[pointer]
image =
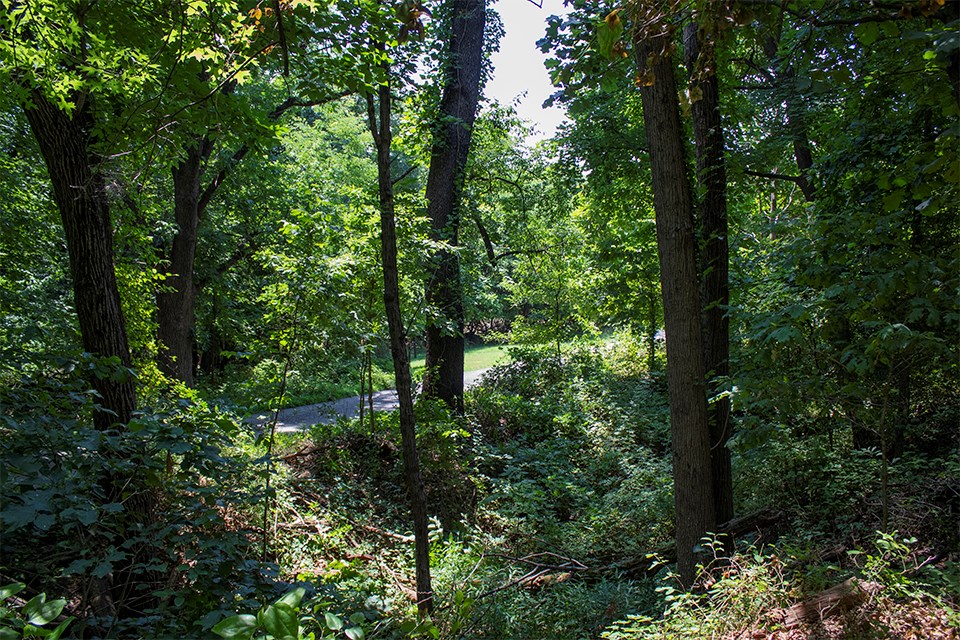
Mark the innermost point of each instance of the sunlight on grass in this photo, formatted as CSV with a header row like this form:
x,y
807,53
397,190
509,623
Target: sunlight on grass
x,y
474,358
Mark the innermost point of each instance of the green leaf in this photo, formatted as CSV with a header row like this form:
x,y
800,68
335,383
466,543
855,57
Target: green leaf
x,y
39,612
354,633
609,31
11,590
891,202
56,633
867,32
242,626
7,633
357,618
334,623
292,598
31,631
280,620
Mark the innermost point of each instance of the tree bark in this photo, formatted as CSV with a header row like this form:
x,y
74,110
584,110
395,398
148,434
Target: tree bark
x,y
177,301
676,246
715,261
458,108
176,305
382,136
80,192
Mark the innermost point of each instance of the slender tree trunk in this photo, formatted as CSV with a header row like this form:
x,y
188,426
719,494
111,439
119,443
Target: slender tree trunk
x,y
177,301
380,129
458,108
676,246
715,289
651,333
80,193
796,114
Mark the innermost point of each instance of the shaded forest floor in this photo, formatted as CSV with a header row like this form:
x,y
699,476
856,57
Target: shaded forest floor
x,y
551,505
549,499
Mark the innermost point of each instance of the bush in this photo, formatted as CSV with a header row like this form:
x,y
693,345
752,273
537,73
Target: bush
x,y
151,515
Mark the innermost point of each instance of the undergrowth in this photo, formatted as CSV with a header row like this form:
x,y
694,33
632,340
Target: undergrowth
x,y
546,500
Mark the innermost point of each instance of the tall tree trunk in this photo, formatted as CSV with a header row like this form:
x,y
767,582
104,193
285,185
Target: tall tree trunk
x,y
176,306
715,262
80,193
676,246
176,302
379,124
458,108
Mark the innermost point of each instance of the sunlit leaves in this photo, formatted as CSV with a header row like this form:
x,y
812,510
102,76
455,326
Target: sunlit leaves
x,y
609,32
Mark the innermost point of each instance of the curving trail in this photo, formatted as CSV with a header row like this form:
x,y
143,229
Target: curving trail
x,y
301,418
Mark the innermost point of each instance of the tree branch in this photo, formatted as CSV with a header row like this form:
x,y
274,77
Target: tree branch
x,y
773,176
240,153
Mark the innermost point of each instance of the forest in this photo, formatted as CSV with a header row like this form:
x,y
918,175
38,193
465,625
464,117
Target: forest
x,y
710,327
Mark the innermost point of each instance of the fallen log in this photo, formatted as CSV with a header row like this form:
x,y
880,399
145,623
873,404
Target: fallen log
x,y
837,599
644,566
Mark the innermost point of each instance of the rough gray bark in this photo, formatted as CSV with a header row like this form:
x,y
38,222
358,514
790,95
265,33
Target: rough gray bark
x,y
379,124
676,246
458,108
80,192
715,259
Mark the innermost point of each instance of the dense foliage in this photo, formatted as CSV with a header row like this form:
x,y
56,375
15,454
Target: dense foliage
x,y
225,150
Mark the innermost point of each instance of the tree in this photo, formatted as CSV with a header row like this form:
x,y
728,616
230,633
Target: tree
x,y
379,114
80,191
208,89
699,42
65,107
676,245
452,134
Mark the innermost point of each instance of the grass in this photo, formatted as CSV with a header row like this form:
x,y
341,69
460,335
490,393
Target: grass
x,y
475,357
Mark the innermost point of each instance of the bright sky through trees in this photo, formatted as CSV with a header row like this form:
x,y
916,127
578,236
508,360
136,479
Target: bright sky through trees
x,y
519,63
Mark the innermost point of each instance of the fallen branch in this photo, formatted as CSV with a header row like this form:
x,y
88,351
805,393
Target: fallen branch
x,y
381,532
649,564
836,599
304,451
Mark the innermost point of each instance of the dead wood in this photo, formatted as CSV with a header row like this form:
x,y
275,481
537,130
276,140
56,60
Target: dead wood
x,y
836,599
760,522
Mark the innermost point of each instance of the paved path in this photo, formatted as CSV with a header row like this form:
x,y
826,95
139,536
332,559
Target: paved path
x,y
301,418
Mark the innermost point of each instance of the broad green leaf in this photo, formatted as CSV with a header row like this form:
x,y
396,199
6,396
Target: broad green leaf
x,y
11,590
39,612
608,33
334,623
292,598
354,633
357,618
891,202
280,620
56,633
242,627
867,32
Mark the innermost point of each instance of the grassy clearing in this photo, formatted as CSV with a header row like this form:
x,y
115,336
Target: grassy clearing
x,y
475,357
